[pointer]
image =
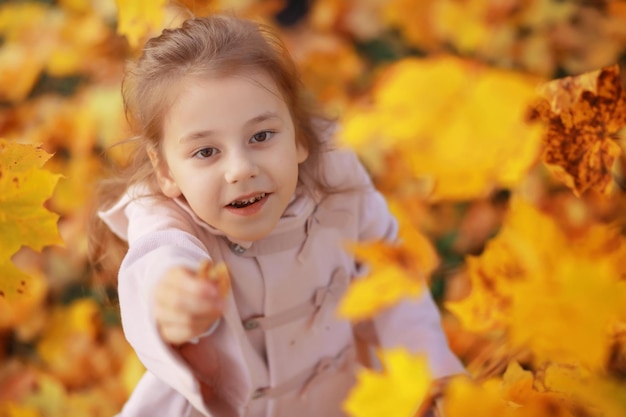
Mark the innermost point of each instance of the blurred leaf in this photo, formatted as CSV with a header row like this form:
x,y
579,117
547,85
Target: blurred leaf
x,y
16,311
512,396
138,19
19,72
42,42
50,396
413,20
69,338
381,289
397,391
533,282
395,272
443,117
598,395
465,397
10,409
329,67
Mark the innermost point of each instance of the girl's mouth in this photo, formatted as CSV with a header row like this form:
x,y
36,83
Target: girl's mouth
x,y
238,204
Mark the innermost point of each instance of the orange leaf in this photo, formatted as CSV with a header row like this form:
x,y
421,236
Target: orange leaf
x,y
69,341
139,18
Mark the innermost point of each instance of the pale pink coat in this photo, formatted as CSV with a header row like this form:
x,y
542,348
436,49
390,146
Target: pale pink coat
x,y
280,349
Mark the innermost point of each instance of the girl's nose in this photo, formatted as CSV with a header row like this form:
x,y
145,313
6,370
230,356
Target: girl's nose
x,y
240,167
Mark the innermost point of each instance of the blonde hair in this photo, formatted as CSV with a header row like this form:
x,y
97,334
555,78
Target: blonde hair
x,y
217,45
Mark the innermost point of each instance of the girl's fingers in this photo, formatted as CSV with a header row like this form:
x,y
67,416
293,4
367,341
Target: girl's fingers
x,y
175,303
186,281
184,293
185,306
185,316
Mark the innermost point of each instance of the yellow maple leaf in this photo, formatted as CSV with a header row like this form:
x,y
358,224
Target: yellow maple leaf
x,y
533,282
397,391
138,19
583,114
395,271
522,248
459,136
24,221
380,290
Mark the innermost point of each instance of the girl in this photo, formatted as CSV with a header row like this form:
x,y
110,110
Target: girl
x,y
233,168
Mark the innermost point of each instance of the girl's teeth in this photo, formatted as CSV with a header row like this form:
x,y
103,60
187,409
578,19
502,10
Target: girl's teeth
x,y
250,201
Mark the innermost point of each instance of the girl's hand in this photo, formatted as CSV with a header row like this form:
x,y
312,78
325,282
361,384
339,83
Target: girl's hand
x,y
186,306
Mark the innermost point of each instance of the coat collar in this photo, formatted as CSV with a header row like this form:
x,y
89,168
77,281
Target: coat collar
x,y
291,227
289,231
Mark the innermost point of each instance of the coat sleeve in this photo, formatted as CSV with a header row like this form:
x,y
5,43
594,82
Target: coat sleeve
x,y
343,171
413,323
416,325
163,400
159,238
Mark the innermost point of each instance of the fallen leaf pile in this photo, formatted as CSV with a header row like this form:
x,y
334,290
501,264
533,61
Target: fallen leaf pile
x,y
495,129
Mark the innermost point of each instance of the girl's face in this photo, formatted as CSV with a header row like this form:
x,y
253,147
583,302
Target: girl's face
x,y
229,149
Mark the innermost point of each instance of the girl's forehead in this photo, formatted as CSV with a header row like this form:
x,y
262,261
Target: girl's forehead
x,y
258,78
221,102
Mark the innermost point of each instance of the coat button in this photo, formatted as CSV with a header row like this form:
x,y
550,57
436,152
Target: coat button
x,y
238,249
259,393
251,324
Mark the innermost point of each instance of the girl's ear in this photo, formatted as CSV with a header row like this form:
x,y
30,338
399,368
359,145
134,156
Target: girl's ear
x,y
302,152
164,177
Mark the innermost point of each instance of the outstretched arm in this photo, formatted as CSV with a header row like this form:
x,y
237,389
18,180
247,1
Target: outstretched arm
x,y
185,307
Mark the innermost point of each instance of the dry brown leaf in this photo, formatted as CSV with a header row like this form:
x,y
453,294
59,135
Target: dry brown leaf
x,y
217,273
583,114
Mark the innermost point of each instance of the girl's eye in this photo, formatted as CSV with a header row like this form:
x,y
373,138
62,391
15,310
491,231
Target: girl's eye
x,y
205,153
263,136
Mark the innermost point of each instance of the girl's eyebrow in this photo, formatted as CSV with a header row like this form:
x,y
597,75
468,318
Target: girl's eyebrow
x,y
268,115
263,117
